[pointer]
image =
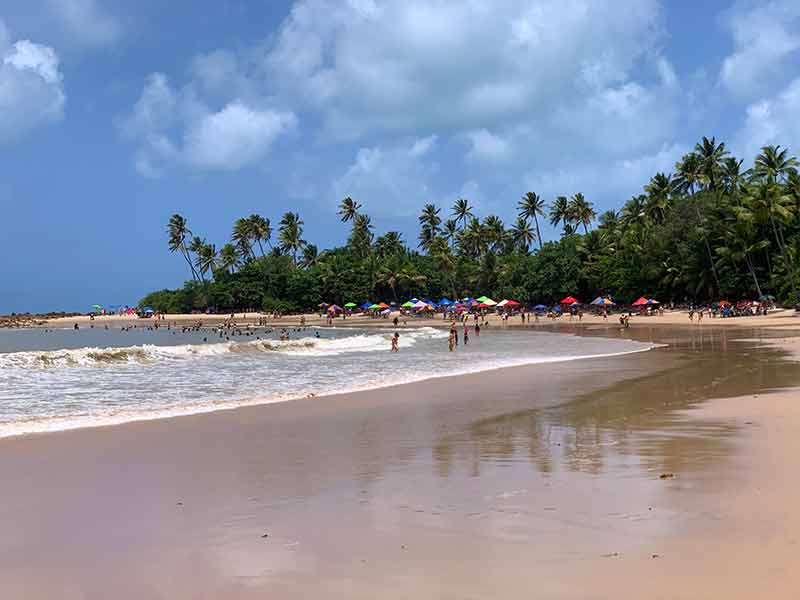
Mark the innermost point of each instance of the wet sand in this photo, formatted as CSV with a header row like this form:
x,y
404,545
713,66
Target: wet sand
x,y
541,481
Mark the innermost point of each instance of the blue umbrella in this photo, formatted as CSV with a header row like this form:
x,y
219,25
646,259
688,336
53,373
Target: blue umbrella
x,y
366,305
540,307
147,309
557,308
445,302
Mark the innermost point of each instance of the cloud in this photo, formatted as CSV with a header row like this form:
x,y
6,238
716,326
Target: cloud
x,y
460,65
391,180
173,127
766,41
773,121
85,22
31,86
486,146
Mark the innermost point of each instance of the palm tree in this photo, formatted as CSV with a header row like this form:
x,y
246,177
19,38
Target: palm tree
x,y
310,256
361,236
395,273
196,246
177,232
445,262
242,238
532,207
348,209
494,231
733,176
659,191
228,258
773,165
522,234
710,155
581,211
206,258
450,231
609,220
259,230
634,213
462,211
560,211
688,173
389,244
290,234
430,221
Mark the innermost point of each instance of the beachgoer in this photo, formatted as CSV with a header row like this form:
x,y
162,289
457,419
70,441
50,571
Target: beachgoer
x,y
395,321
451,340
477,330
466,335
395,342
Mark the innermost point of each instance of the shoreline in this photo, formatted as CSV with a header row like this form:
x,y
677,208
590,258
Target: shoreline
x,y
468,486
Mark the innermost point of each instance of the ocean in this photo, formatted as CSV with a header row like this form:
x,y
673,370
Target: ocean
x,y
65,379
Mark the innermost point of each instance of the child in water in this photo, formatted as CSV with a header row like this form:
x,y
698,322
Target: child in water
x,y
395,342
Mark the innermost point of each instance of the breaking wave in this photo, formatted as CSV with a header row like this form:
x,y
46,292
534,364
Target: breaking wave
x,y
149,354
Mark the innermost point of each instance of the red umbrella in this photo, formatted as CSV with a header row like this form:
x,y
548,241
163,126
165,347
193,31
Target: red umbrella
x,y
568,300
512,303
640,302
482,305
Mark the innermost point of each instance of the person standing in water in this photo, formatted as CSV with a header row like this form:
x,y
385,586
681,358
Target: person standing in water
x,y
396,342
466,334
451,340
477,330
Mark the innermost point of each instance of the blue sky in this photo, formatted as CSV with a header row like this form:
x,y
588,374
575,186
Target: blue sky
x,y
114,115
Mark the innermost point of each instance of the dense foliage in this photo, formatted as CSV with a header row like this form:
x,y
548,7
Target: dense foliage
x,y
710,230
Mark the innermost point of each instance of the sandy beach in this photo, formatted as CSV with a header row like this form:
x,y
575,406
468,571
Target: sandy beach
x,y
661,474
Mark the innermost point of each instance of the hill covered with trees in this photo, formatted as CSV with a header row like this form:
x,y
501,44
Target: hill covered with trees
x,y
709,230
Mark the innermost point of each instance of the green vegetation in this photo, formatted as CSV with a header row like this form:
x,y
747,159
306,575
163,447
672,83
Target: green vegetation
x,y
710,230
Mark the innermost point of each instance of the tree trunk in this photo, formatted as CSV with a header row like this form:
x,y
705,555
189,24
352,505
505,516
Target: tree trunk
x,y
786,261
538,233
749,264
708,248
185,253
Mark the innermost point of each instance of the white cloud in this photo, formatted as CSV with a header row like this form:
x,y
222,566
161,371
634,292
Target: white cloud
x,y
234,137
766,40
417,65
614,180
31,86
177,127
774,121
484,145
392,180
85,22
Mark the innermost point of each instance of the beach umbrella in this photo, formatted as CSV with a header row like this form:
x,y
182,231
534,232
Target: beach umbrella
x,y
383,305
482,298
420,304
323,304
408,304
96,307
502,303
334,308
350,305
724,303
556,309
445,302
569,300
147,309
366,305
540,308
599,301
652,301
511,303
765,297
487,301
484,305
640,302
373,307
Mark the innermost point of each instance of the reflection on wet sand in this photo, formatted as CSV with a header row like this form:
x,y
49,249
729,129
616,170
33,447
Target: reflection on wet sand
x,y
498,484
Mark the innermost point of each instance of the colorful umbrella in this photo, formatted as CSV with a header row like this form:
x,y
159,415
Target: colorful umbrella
x,y
366,305
408,304
350,305
383,305
652,301
96,307
487,301
569,300
512,303
540,307
445,302
373,307
640,302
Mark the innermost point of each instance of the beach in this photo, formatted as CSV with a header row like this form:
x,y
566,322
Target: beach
x,y
660,473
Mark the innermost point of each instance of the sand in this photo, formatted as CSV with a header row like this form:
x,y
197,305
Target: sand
x,y
540,481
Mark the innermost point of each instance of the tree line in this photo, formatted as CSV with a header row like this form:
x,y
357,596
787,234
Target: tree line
x,y
710,229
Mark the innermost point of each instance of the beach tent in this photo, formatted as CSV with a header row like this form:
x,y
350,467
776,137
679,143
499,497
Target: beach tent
x,y
569,300
334,308
482,298
652,301
540,308
512,303
374,307
600,301
420,304
640,302
408,304
445,302
366,305
488,302
350,305
502,303
383,305
483,305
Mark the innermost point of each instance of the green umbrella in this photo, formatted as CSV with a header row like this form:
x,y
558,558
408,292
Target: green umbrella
x,y
350,305
482,299
96,307
408,304
374,307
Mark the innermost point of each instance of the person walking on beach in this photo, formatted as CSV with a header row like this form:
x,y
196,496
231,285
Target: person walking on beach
x,y
451,340
477,330
396,342
466,334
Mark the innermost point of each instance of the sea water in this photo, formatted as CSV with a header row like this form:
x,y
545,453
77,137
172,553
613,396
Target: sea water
x,y
65,378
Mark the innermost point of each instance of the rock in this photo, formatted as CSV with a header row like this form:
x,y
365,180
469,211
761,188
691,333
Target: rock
x,y
667,476
266,535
